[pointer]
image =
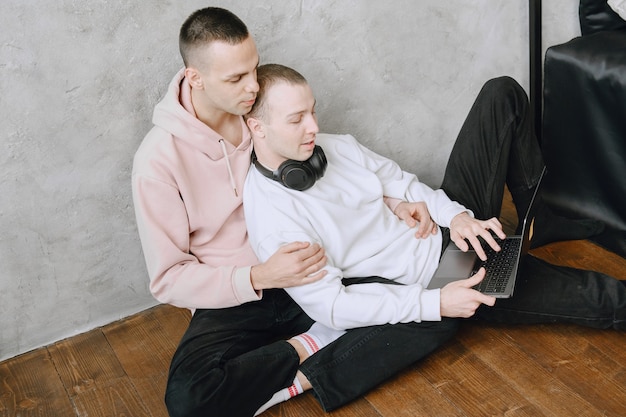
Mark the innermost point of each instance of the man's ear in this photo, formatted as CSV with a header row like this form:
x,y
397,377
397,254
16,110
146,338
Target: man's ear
x,y
256,127
193,77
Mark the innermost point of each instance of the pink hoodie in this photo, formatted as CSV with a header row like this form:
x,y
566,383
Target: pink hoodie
x,y
190,220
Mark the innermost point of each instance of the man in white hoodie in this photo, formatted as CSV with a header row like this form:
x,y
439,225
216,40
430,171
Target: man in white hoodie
x,y
329,189
247,338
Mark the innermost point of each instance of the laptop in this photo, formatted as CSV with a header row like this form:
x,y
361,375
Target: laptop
x,y
501,267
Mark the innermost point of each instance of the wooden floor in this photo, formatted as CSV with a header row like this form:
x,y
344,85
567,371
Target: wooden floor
x,y
556,370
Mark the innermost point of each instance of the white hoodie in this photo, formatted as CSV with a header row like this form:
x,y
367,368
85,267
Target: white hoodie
x,y
345,213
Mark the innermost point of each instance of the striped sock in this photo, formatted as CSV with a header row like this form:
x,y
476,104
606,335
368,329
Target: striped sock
x,y
282,395
317,337
313,340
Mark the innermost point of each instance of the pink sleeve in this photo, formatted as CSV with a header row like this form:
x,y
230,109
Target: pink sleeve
x,y
176,276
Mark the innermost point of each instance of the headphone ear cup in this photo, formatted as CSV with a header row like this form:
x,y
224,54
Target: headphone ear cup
x,y
295,175
302,175
318,162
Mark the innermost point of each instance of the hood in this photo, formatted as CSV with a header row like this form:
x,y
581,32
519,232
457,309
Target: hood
x,y
170,115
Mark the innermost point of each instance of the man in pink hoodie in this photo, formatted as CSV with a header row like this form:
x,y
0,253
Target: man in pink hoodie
x,y
247,339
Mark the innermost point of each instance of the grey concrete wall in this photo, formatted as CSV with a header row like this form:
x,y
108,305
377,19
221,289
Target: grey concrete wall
x,y
80,78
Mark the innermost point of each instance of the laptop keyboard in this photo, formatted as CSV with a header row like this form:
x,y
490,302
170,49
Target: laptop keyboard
x,y
498,266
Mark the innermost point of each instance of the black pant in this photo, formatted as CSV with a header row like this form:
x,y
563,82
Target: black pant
x,y
231,361
496,146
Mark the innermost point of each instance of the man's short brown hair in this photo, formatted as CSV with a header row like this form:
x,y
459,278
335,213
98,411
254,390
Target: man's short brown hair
x,y
209,25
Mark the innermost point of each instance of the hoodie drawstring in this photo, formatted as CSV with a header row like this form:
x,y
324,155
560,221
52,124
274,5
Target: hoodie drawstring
x,y
230,171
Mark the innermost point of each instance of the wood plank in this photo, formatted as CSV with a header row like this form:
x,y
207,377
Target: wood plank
x,y
144,346
410,394
576,363
30,386
583,254
115,397
496,346
143,343
611,343
94,379
472,385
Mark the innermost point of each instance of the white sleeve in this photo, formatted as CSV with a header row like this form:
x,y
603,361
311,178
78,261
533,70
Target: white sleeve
x,y
406,186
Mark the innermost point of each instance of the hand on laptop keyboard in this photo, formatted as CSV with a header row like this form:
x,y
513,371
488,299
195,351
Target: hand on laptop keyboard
x,y
464,227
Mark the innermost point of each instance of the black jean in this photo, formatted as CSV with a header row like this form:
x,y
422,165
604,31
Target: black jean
x,y
363,358
496,146
231,361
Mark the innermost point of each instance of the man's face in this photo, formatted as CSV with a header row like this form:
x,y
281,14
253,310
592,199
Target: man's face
x,y
228,74
290,124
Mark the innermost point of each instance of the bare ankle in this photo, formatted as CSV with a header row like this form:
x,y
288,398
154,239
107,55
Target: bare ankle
x,y
302,352
306,385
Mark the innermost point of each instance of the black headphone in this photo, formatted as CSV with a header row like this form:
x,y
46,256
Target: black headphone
x,y
297,175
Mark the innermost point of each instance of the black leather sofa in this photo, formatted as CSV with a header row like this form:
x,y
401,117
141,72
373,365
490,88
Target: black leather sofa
x,y
584,123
